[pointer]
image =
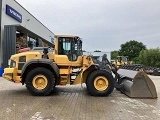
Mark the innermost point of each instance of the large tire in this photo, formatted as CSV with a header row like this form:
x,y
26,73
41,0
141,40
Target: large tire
x,y
40,81
100,83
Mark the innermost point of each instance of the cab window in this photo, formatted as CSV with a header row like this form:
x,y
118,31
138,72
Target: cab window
x,y
72,47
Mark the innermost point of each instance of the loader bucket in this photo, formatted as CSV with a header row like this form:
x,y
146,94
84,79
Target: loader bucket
x,y
136,84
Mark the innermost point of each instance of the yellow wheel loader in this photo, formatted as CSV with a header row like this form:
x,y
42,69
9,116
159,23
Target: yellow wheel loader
x,y
42,70
121,60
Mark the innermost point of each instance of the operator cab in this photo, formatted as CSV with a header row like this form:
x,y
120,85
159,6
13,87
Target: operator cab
x,y
68,50
70,46
122,59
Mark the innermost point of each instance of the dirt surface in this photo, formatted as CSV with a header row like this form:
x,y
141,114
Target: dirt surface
x,y
74,103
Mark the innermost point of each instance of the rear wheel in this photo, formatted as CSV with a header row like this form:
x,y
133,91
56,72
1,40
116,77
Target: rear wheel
x,y
100,83
40,81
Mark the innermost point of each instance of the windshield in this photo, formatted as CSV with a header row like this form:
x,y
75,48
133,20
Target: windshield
x,y
124,59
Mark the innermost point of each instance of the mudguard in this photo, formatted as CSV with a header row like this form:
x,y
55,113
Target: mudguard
x,y
44,61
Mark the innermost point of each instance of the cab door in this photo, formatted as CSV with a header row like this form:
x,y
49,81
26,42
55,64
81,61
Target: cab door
x,y
69,51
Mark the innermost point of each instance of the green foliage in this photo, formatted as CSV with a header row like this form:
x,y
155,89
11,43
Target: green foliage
x,y
150,57
136,60
137,52
114,55
132,49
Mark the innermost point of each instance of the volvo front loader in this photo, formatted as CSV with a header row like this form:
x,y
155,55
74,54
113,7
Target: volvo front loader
x,y
41,71
120,61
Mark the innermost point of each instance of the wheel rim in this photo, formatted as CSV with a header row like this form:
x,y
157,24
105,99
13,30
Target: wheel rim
x,y
40,82
101,83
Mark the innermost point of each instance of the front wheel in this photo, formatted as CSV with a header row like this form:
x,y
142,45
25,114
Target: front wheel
x,y
40,81
100,83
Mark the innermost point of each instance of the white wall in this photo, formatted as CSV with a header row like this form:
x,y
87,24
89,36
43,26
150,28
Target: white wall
x,y
28,21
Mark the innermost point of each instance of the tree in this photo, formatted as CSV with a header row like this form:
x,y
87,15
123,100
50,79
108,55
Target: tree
x,y
131,49
150,57
114,54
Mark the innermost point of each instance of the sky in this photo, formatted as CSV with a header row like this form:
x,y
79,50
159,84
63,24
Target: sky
x,y
102,24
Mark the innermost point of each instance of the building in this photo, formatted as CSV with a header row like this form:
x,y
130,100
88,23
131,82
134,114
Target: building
x,y
19,29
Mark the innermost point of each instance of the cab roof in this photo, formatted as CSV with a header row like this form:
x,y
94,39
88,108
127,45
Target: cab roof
x,y
66,36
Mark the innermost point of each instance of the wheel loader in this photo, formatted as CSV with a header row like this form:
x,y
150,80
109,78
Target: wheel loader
x,y
121,60
41,71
